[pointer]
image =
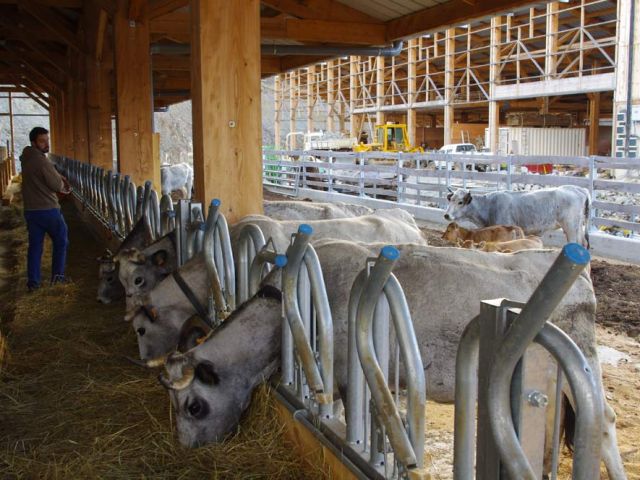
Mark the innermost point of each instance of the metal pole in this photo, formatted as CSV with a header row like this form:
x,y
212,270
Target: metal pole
x,y
542,303
11,128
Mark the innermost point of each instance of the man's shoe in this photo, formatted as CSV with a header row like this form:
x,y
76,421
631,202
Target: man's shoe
x,y
60,279
32,287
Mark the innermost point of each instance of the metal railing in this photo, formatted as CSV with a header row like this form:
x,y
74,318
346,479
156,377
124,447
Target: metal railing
x,y
411,179
492,383
375,296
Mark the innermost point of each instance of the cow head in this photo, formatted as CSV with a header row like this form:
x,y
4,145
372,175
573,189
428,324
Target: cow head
x,y
155,333
459,204
452,233
109,286
210,385
139,272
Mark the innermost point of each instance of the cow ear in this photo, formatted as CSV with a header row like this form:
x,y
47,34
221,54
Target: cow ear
x,y
449,197
467,199
206,374
159,258
194,332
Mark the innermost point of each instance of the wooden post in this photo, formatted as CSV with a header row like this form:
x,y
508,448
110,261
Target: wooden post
x,y
99,95
449,73
353,93
551,49
411,91
341,100
277,110
494,80
69,109
134,95
594,122
293,108
311,81
227,129
331,97
11,128
379,90
80,141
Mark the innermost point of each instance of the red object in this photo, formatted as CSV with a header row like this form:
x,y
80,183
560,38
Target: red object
x,y
541,168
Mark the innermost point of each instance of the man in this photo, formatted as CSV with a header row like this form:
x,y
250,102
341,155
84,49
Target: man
x,y
40,185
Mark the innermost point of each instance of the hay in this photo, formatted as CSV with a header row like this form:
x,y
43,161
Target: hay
x,y
71,407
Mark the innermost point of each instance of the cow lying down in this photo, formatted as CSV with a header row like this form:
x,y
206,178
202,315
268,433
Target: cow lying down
x,y
164,309
210,385
530,243
113,285
496,233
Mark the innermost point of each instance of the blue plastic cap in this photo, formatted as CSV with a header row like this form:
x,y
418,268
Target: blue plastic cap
x,y
216,202
576,253
305,228
281,261
390,253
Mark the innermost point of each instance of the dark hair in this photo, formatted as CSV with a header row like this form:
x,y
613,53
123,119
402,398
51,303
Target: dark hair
x,y
36,132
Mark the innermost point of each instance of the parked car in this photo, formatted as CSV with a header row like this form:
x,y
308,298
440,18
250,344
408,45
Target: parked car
x,y
461,149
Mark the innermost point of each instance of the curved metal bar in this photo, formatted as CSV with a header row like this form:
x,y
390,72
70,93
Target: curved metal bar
x,y
113,215
118,203
128,218
388,413
222,230
549,293
154,213
295,256
250,237
139,202
355,377
412,360
144,209
587,396
466,396
167,215
131,201
221,307
324,325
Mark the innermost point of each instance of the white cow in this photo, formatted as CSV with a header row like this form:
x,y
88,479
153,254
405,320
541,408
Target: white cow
x,y
176,177
211,383
536,212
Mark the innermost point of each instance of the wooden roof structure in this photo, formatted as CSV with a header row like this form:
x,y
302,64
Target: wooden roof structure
x,y
89,61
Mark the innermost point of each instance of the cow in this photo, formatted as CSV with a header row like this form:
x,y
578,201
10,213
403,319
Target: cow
x,y
160,332
141,270
304,211
109,286
530,243
536,212
132,268
496,233
210,384
176,177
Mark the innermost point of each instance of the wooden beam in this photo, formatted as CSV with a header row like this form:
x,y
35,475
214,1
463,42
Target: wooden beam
x,y
159,8
136,9
449,78
594,122
103,20
331,98
226,105
494,81
411,91
551,46
134,97
175,26
52,22
277,110
445,15
311,83
320,10
380,84
80,132
322,31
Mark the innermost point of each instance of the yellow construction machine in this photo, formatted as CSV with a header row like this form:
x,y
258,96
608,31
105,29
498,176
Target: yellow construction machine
x,y
390,137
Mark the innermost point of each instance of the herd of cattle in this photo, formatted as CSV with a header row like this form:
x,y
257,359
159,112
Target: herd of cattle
x,y
210,374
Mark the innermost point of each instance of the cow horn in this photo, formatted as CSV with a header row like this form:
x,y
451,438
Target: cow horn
x,y
180,384
451,190
153,363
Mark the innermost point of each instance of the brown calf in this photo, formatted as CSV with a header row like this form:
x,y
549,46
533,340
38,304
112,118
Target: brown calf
x,y
530,243
496,233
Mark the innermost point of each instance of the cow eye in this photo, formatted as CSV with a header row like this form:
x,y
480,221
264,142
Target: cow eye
x,y
198,409
139,281
459,203
141,331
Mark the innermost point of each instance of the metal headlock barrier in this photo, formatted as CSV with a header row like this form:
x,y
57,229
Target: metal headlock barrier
x,y
383,435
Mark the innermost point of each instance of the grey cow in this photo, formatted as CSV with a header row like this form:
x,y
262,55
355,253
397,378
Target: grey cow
x,y
536,212
210,384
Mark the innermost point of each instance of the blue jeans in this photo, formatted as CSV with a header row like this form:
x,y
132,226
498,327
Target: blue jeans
x,y
39,223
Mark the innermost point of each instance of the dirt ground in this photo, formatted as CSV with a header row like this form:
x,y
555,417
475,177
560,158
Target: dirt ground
x,y
62,346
